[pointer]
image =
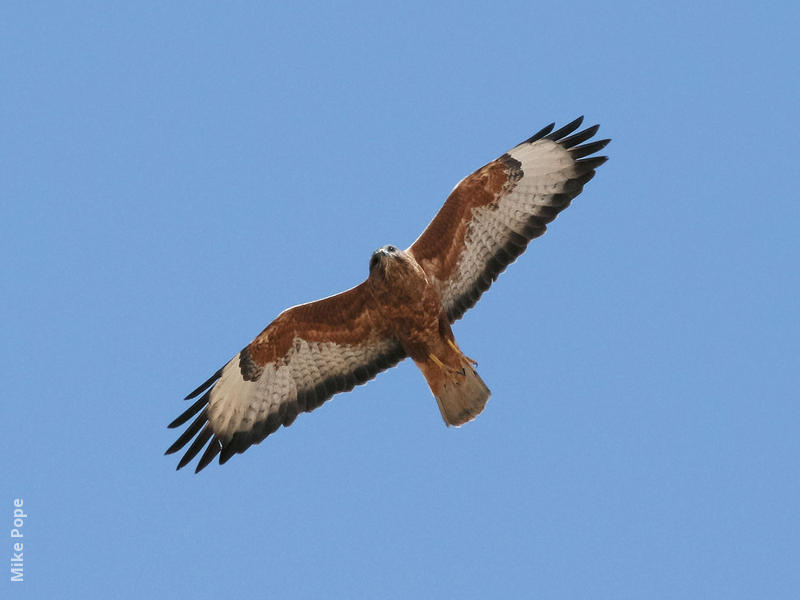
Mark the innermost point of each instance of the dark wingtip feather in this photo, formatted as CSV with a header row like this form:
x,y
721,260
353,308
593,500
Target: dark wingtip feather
x,y
587,149
189,412
580,137
540,134
565,130
591,163
211,451
188,434
198,443
226,454
205,385
231,447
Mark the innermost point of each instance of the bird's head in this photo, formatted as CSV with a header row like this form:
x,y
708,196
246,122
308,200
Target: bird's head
x,y
395,271
383,257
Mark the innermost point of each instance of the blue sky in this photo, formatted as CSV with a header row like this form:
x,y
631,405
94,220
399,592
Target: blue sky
x,y
173,176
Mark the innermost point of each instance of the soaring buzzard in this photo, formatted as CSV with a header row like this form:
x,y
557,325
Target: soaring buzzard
x,y
404,308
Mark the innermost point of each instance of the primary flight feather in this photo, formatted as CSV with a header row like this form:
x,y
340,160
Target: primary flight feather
x,y
404,308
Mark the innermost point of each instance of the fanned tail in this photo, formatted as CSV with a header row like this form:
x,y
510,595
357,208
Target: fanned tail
x,y
460,392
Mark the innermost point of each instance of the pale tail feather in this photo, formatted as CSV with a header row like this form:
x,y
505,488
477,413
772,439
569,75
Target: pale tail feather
x,y
461,397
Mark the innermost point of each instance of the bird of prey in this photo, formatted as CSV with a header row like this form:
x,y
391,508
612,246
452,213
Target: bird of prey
x,y
404,308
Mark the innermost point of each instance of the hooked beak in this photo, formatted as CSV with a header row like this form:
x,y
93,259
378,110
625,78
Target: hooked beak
x,y
378,259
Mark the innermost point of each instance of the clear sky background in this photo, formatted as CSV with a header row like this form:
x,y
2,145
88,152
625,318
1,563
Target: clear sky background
x,y
173,176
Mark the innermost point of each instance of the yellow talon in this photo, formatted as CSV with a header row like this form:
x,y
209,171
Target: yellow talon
x,y
455,347
445,367
436,361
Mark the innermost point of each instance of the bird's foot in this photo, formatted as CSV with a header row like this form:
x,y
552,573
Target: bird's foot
x,y
445,367
455,347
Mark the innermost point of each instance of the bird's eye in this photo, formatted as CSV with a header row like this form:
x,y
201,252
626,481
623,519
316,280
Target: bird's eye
x,y
391,248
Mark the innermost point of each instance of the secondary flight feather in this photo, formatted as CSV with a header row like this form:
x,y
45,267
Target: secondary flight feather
x,y
403,309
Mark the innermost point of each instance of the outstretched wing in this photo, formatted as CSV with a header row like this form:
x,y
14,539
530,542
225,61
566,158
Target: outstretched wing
x,y
305,356
491,215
